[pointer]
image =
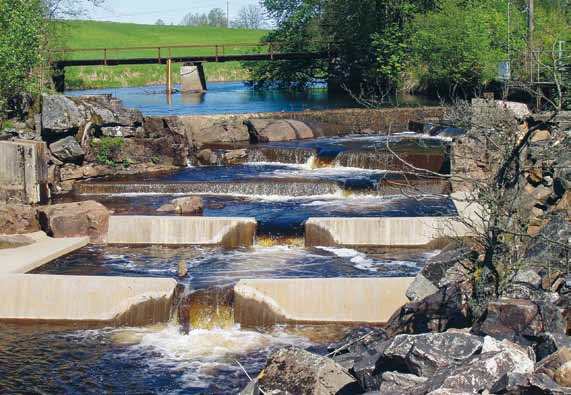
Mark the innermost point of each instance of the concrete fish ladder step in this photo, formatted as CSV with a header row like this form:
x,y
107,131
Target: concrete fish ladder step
x,y
146,230
85,300
267,187
384,160
265,302
288,155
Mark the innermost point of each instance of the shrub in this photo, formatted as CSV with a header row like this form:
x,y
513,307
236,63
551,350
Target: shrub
x,y
108,148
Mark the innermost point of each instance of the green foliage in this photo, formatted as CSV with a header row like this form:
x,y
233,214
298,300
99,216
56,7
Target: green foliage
x,y
107,149
21,27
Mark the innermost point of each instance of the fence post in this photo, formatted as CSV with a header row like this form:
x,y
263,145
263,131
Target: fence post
x,y
169,76
105,56
159,49
216,51
271,49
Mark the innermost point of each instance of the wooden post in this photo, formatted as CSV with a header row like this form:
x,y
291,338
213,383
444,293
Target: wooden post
x,y
169,76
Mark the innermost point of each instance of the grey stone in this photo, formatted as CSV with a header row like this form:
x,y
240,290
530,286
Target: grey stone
x,y
425,354
119,131
527,384
67,150
267,130
60,113
236,156
393,382
207,158
188,205
528,277
300,372
420,288
481,371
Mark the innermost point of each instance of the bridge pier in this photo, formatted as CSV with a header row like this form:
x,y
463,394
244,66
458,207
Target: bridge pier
x,y
58,78
192,78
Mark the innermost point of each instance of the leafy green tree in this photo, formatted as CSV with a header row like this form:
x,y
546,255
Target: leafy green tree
x,y
22,27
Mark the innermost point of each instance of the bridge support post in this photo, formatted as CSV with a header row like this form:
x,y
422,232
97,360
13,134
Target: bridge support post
x,y
192,78
169,77
58,78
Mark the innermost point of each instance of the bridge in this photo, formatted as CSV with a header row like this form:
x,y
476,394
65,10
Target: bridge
x,y
192,56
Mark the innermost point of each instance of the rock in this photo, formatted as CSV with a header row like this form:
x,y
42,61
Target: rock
x,y
268,130
527,384
539,194
519,110
223,132
18,218
482,371
552,363
359,341
520,321
540,135
236,156
450,266
108,110
393,382
182,268
300,372
528,277
166,208
188,205
119,131
563,177
549,343
15,241
448,308
87,218
67,150
60,113
545,253
563,375
423,355
207,157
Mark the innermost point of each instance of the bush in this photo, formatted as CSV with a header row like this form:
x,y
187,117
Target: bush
x,y
21,24
108,149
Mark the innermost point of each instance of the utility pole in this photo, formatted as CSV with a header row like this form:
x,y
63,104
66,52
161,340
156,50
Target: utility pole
x,y
227,13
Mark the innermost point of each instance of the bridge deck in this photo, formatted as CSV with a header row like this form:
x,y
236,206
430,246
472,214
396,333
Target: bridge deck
x,y
190,59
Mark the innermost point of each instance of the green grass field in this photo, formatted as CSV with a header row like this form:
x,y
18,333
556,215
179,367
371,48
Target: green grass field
x,y
90,34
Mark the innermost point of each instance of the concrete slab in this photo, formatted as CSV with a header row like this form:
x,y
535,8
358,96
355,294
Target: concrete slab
x,y
85,299
45,249
394,232
229,232
321,300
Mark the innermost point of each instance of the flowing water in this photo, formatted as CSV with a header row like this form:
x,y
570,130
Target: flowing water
x,y
279,184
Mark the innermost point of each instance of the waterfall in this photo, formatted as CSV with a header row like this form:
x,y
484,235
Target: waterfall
x,y
280,155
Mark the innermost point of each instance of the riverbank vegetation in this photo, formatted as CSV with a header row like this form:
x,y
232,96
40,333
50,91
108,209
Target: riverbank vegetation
x,y
442,47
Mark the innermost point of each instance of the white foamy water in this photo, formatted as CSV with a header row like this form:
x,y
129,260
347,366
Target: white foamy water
x,y
203,354
363,262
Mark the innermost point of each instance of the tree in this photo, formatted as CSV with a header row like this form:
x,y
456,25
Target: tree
x,y
54,9
22,27
197,19
160,22
251,17
217,18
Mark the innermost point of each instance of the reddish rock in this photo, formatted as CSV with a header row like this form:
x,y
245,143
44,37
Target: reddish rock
x,y
189,205
18,218
267,130
76,219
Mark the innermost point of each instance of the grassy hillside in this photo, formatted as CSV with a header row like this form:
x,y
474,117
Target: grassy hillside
x,y
90,34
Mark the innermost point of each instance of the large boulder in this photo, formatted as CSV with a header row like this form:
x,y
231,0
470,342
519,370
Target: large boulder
x,y
222,132
18,218
303,373
480,372
528,384
75,219
452,265
67,150
268,130
447,308
550,249
61,113
520,321
188,205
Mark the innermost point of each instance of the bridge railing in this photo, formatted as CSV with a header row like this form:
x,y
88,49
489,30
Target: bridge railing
x,y
163,52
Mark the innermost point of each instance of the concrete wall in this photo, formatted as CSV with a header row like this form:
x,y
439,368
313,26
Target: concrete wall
x,y
323,123
85,300
394,232
229,232
23,171
322,300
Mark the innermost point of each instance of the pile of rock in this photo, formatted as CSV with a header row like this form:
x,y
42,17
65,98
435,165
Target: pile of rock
x,y
87,218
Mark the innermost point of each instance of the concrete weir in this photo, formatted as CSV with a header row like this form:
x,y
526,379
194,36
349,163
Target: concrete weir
x,y
228,232
318,301
87,300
